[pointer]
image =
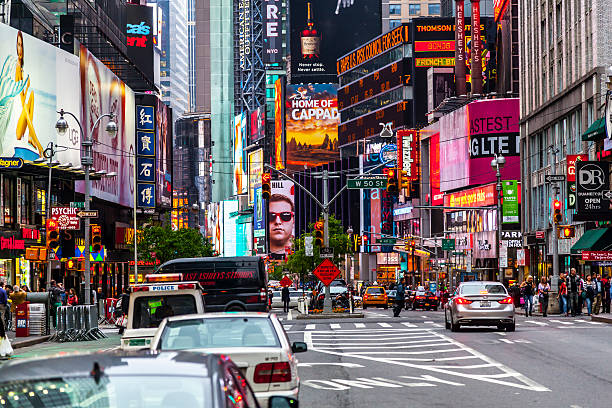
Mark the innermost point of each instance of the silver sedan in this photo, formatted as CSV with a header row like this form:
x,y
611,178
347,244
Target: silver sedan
x,y
480,303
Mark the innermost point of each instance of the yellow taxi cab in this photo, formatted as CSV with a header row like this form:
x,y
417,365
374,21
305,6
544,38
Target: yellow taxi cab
x,y
375,296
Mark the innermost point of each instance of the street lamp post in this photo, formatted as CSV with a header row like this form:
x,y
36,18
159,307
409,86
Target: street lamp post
x,y
86,161
497,164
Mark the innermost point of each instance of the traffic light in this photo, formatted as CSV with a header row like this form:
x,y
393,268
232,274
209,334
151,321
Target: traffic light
x,y
358,241
412,245
407,246
53,235
319,226
96,238
557,216
567,231
403,179
266,190
392,187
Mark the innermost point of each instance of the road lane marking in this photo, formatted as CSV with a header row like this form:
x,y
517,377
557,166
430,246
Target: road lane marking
x,y
347,365
428,322
420,343
334,326
409,324
561,322
538,323
360,325
437,325
506,341
393,346
310,326
424,316
384,325
500,333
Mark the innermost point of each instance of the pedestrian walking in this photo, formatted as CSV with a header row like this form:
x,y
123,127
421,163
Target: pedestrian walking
x,y
3,303
18,297
73,299
562,296
56,300
574,289
588,293
285,299
400,296
599,288
528,291
605,295
543,292
25,288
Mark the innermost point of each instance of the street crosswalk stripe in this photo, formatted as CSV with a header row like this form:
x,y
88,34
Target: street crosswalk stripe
x,y
424,317
561,322
359,325
310,326
436,325
538,323
589,322
384,325
409,324
428,321
334,326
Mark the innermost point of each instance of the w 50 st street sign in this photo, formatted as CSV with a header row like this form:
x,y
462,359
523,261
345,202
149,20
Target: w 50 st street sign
x,y
370,182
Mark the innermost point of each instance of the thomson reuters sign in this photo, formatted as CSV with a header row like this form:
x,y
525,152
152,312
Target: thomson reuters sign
x,y
11,162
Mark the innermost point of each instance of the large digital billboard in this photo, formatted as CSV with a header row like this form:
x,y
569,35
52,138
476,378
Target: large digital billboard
x,y
240,165
256,162
322,31
272,36
279,120
163,124
311,123
257,126
281,218
139,38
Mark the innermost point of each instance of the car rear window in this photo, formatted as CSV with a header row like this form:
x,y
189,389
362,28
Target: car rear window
x,y
484,289
149,311
218,332
375,291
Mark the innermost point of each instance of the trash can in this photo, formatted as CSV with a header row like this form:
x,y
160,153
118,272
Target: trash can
x,y
23,317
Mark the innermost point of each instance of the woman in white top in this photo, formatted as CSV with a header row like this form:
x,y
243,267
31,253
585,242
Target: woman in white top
x,y
543,289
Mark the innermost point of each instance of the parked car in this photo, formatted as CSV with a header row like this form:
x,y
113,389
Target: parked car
x,y
256,342
480,303
375,296
129,379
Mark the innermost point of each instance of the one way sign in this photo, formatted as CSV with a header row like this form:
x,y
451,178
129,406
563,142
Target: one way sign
x,y
607,194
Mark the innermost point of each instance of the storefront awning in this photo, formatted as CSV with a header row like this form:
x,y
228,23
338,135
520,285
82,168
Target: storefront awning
x,y
597,131
593,240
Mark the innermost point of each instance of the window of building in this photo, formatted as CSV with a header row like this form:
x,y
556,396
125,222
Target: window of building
x,y
8,200
26,201
433,9
578,131
395,9
414,9
394,23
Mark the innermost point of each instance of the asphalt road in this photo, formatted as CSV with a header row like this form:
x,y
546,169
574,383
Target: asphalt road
x,y
412,361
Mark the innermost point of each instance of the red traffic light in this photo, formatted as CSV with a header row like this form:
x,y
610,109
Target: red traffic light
x,y
266,177
557,205
391,173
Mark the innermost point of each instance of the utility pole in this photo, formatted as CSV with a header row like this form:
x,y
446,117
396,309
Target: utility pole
x,y
555,238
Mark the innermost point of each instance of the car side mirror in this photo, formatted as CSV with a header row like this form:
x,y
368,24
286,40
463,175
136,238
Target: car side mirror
x,y
282,402
299,347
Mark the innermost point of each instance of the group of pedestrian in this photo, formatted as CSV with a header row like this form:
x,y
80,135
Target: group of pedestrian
x,y
10,298
593,292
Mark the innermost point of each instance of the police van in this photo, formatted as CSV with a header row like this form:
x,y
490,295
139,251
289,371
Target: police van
x,y
158,297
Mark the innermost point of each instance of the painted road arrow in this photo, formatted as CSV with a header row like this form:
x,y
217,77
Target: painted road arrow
x,y
88,214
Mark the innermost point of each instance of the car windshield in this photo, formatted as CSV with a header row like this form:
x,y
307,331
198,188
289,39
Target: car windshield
x,y
149,311
151,391
336,289
484,289
218,332
375,291
391,293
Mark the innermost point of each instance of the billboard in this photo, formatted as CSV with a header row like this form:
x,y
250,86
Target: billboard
x,y
311,123
103,92
279,118
437,197
259,223
281,218
256,159
146,151
593,192
321,33
257,129
240,165
454,173
408,153
272,40
510,203
571,160
139,38
163,130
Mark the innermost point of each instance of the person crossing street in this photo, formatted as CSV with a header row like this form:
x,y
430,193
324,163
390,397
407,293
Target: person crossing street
x,y
400,295
285,298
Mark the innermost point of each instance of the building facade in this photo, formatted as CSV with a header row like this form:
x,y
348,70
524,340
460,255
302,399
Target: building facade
x,y
396,12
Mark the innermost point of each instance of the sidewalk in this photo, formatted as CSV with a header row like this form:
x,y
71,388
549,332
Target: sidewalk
x,y
602,317
19,342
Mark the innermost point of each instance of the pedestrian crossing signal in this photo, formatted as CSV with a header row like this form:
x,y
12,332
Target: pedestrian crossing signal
x,y
567,231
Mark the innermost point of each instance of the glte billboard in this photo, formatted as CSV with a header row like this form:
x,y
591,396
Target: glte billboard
x,y
311,123
323,31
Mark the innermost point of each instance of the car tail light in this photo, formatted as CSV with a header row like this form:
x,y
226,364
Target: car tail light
x,y
462,301
420,297
272,373
263,295
140,289
506,301
365,296
187,286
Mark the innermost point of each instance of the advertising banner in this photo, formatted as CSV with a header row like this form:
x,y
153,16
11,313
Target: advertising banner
x,y
475,197
240,165
454,146
255,172
139,38
484,244
259,224
510,203
272,25
281,218
437,198
245,25
571,160
146,148
103,92
257,129
312,120
279,124
320,34
163,126
593,195
408,153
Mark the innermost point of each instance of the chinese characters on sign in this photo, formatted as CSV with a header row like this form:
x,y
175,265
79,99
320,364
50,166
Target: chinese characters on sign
x,y
145,169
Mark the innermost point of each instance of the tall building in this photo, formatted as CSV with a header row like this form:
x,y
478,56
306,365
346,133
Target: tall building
x,y
447,7
191,36
396,12
564,50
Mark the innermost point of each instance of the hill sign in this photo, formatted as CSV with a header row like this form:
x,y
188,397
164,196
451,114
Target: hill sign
x,y
326,272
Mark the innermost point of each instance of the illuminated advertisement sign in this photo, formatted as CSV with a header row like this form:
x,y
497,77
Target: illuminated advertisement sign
x,y
163,131
257,129
240,165
272,40
281,218
244,33
475,197
499,8
311,122
139,38
319,34
408,153
437,198
434,62
256,159
429,46
571,160
279,120
146,147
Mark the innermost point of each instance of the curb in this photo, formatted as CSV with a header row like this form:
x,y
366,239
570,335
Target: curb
x,y
601,319
29,342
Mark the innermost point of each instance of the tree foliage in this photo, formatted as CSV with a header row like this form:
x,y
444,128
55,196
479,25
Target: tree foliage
x,y
164,244
339,240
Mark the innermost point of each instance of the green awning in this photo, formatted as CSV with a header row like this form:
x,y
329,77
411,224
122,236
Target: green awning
x,y
597,131
593,240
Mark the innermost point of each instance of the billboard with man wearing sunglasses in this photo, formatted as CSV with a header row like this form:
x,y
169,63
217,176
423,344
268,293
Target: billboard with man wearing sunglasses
x,y
281,220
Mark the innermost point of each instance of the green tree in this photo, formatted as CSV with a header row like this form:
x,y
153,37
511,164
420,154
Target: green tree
x,y
164,244
339,240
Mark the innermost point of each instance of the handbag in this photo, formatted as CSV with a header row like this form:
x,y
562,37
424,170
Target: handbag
x,y
5,347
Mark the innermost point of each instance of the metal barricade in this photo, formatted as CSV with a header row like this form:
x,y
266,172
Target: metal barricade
x,y
77,323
